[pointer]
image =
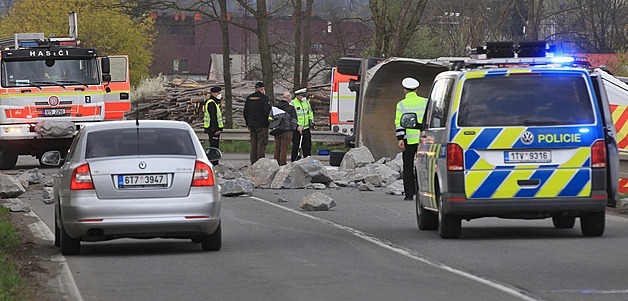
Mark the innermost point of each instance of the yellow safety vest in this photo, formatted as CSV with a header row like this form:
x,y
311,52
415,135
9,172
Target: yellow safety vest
x,y
207,118
304,112
411,104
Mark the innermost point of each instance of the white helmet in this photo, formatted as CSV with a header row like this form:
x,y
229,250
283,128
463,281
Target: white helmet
x,y
410,83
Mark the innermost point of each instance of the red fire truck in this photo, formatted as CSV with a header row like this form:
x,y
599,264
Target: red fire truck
x,y
50,87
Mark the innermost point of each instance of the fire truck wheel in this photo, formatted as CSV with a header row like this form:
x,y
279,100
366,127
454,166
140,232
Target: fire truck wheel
x,y
335,157
349,66
8,159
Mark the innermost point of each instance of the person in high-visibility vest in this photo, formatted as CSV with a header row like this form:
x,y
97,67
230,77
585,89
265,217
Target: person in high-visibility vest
x,y
212,120
408,139
302,137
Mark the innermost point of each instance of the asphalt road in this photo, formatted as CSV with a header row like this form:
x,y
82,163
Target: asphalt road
x,y
366,248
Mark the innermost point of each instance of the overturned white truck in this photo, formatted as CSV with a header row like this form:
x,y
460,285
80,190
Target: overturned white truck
x,y
378,91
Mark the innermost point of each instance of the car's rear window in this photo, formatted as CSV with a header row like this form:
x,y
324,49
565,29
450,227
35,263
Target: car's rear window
x,y
525,100
142,141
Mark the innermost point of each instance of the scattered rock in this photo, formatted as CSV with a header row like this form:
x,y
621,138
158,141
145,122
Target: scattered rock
x,y
366,187
237,187
319,186
374,179
49,183
291,176
47,192
318,172
356,157
10,186
32,176
281,200
20,207
262,172
396,188
317,202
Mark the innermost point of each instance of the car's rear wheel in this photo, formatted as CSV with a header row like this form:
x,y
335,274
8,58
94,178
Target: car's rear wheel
x,y
449,226
212,242
69,245
563,222
426,219
593,224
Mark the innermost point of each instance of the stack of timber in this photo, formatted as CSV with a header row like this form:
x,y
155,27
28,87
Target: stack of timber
x,y
183,100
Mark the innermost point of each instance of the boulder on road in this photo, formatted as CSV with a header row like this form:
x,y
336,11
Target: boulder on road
x,y
356,157
318,172
237,187
317,202
262,172
396,188
291,176
10,186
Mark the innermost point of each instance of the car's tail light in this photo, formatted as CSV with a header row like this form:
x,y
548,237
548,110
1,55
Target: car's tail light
x,y
454,157
598,154
203,175
82,178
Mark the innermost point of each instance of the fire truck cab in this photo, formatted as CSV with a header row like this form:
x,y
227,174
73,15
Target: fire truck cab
x,y
49,88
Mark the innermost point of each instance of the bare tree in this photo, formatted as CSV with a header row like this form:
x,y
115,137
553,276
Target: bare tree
x,y
307,43
296,5
263,41
226,64
395,24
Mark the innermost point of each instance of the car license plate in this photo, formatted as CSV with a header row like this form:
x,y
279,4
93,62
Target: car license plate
x,y
152,180
540,156
54,112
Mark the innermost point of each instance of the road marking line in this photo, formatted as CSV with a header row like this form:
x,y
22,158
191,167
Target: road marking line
x,y
589,291
65,279
510,290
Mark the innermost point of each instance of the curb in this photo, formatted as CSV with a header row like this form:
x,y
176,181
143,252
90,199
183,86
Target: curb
x,y
64,281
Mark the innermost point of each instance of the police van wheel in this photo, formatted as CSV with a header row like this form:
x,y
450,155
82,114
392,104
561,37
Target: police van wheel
x,y
593,224
563,222
335,157
449,226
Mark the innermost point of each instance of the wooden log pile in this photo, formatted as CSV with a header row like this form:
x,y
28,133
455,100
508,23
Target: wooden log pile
x,y
183,100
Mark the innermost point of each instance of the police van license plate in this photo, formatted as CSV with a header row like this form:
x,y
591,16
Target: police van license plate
x,y
54,112
152,180
543,156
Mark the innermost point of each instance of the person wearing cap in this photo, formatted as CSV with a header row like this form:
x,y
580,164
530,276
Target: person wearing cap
x,y
283,140
302,137
408,139
212,120
256,110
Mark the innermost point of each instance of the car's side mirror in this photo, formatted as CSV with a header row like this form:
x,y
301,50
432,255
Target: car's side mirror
x,y
213,153
409,121
51,158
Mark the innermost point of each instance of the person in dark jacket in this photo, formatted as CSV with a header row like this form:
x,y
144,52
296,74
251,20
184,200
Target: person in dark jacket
x,y
212,120
256,110
283,140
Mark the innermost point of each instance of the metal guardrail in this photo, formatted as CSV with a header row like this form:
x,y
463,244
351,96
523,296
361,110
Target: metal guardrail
x,y
243,135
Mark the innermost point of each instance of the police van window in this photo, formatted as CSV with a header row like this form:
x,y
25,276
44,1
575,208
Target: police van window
x,y
437,111
528,100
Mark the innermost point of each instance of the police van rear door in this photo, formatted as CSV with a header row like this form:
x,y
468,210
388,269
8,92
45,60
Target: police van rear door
x,y
526,133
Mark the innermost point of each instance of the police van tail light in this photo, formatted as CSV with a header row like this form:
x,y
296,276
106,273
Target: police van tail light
x,y
454,157
82,178
598,154
203,175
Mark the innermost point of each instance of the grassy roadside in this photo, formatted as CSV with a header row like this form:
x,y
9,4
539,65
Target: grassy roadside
x,y
12,286
245,147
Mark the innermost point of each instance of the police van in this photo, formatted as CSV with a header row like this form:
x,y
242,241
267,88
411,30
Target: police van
x,y
515,134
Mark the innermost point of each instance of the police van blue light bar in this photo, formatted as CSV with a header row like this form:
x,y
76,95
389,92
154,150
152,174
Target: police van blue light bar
x,y
562,60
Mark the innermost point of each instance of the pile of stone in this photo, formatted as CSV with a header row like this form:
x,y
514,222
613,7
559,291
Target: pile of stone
x,y
358,170
13,185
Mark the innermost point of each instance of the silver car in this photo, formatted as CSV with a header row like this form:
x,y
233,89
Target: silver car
x,y
136,179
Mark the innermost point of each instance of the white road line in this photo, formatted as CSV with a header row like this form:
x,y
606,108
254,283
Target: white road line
x,y
65,279
513,291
